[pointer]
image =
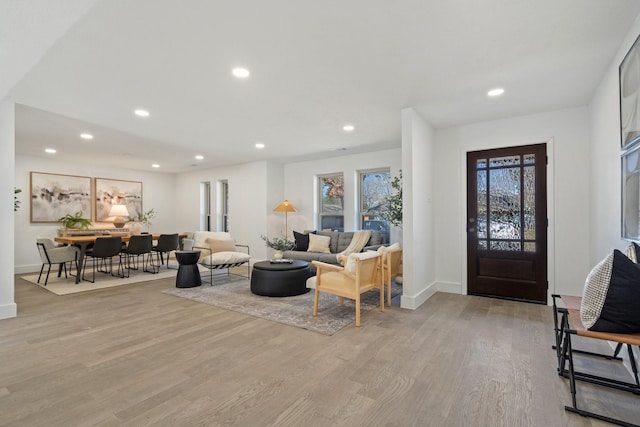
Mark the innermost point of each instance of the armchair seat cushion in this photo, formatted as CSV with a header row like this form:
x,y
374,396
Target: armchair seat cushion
x,y
224,258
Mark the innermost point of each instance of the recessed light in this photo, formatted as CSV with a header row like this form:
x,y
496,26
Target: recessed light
x,y
348,128
199,157
495,92
155,165
50,150
141,113
259,145
86,136
241,73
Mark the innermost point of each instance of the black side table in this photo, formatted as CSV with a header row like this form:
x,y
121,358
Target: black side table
x,y
188,273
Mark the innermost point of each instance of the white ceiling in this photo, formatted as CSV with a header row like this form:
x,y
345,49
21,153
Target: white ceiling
x,y
315,66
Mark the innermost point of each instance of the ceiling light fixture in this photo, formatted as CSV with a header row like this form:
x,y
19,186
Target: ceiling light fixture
x,y
86,136
50,150
199,157
348,128
495,92
141,113
155,165
241,73
259,145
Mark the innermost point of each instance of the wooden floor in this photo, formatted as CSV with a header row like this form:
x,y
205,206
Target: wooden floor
x,y
133,356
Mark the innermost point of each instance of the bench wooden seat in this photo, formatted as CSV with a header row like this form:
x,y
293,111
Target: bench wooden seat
x,y
569,325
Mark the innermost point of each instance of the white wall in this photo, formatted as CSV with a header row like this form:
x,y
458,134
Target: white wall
x,y
604,120
418,256
250,193
567,135
300,184
8,307
158,192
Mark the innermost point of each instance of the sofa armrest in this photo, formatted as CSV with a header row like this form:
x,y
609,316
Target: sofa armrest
x,y
372,247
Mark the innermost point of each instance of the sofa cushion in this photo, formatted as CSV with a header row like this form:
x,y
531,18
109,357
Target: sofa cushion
x,y
611,298
302,241
302,256
333,235
200,237
328,258
319,243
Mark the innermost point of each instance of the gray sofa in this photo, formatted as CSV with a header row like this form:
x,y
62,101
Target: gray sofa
x,y
339,242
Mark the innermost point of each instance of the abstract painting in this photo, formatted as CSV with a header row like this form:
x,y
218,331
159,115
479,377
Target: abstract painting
x,y
54,195
110,192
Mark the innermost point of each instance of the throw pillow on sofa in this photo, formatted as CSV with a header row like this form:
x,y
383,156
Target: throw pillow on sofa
x,y
302,241
611,298
319,244
632,252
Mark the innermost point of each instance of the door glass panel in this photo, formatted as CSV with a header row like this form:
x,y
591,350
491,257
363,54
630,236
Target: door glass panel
x,y
505,246
504,161
481,215
482,245
529,159
504,203
529,246
481,164
529,190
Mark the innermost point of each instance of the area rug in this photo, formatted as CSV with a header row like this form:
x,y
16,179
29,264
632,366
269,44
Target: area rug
x,y
234,294
66,286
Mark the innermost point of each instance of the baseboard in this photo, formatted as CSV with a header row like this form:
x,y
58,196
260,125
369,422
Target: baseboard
x,y
450,287
414,301
23,269
8,311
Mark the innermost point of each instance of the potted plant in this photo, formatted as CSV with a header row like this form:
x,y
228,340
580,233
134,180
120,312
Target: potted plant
x,y
279,244
393,213
75,221
142,220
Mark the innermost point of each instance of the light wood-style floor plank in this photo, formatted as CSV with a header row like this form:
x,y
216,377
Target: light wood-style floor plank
x,y
133,356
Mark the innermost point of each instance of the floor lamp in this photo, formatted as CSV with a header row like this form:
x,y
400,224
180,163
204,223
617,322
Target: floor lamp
x,y
285,207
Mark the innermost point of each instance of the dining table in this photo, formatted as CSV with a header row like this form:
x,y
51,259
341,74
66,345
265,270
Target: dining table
x,y
83,242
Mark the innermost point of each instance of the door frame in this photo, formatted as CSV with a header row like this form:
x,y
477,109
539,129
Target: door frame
x,y
462,220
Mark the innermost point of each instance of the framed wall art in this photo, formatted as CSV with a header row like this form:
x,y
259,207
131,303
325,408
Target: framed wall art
x,y
629,73
109,192
54,195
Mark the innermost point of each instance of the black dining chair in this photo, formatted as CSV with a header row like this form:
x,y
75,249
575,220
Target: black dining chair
x,y
103,251
140,246
167,243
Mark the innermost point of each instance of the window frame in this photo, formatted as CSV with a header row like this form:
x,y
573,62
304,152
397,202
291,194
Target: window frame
x,y
321,215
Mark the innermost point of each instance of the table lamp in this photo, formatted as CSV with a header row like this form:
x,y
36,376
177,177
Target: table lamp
x,y
119,212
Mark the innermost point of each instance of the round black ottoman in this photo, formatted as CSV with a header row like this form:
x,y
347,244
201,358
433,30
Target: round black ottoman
x,y
188,273
280,279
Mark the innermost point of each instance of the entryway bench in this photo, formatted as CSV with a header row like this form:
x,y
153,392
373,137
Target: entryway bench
x,y
567,323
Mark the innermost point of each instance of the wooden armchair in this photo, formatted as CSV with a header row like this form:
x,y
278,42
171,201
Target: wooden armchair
x,y
359,275
391,261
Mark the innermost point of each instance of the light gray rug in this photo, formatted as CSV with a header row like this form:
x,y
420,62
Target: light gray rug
x,y
234,294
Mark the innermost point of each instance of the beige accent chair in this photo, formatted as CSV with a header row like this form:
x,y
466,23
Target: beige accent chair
x,y
359,275
218,251
51,254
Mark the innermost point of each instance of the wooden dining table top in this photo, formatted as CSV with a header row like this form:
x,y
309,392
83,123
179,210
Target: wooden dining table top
x,y
72,240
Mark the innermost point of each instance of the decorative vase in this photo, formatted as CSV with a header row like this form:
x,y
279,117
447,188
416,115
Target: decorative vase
x,y
277,254
135,228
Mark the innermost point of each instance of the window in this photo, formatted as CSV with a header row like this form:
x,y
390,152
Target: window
x,y
205,206
331,190
224,206
375,188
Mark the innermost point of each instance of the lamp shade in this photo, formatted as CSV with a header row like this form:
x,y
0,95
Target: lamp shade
x,y
119,212
285,206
